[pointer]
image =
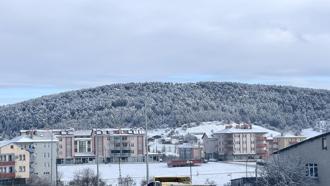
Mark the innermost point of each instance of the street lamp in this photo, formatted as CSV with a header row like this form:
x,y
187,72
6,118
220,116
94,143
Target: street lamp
x,y
97,132
247,159
190,164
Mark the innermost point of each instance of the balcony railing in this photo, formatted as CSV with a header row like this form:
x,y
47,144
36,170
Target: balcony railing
x,y
7,175
261,145
7,163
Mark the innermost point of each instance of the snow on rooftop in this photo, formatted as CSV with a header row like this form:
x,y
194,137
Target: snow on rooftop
x,y
82,132
26,139
4,143
209,128
309,133
235,130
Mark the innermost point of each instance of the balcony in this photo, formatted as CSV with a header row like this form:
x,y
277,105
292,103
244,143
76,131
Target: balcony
x,y
262,152
7,175
261,145
261,138
7,163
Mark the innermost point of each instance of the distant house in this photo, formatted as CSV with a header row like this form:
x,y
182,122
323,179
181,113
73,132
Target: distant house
x,y
315,154
189,152
210,145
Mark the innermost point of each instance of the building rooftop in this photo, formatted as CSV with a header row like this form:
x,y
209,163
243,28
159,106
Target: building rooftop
x,y
34,139
82,132
4,143
235,130
188,145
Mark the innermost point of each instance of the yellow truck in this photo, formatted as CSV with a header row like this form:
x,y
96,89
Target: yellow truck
x,y
170,181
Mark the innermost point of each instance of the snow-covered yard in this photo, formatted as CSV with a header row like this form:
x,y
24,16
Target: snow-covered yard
x,y
219,172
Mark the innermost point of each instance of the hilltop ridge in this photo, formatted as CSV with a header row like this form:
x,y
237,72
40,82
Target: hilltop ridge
x,y
170,105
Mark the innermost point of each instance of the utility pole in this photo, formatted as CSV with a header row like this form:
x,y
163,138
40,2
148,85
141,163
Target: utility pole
x,y
51,157
190,162
120,155
97,157
120,179
246,165
146,145
257,173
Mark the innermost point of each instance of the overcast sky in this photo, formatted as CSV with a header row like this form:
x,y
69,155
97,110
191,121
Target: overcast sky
x,y
52,46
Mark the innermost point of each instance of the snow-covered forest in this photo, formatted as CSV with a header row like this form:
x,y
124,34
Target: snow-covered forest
x,y
170,105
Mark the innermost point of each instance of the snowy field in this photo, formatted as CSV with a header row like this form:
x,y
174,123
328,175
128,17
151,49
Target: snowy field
x,y
219,172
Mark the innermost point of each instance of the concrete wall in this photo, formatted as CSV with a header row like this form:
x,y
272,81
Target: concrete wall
x,y
311,152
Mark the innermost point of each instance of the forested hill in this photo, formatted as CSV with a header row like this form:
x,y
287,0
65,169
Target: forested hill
x,y
170,105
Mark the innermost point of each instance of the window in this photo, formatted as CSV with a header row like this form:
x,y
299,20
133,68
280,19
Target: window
x,y
312,170
324,143
11,146
23,157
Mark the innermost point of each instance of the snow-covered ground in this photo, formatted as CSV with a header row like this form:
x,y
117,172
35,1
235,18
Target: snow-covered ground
x,y
219,172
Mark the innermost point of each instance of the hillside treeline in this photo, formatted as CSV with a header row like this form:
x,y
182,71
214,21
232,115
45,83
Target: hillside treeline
x,y
169,105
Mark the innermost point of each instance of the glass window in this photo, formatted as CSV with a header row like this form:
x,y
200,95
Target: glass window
x,y
324,143
312,170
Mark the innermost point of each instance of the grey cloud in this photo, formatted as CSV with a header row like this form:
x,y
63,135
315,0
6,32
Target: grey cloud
x,y
87,43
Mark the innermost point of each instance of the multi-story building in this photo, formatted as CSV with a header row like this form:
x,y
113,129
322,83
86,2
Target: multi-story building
x,y
190,152
123,144
281,142
109,145
42,146
14,163
241,142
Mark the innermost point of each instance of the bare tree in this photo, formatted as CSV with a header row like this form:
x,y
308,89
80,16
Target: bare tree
x,y
283,170
37,181
126,181
86,177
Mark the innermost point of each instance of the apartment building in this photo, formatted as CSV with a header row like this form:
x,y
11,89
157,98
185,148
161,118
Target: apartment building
x,y
123,144
75,146
241,142
281,142
14,163
109,145
42,146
